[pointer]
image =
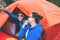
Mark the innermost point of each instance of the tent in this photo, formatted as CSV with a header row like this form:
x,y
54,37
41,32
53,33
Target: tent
x,y
49,11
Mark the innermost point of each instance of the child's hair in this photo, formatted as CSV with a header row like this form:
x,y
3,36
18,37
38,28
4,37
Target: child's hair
x,y
17,11
36,16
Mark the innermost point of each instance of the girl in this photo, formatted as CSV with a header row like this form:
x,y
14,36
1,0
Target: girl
x,y
32,29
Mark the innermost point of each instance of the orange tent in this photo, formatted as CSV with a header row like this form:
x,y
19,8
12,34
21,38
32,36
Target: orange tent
x,y
49,11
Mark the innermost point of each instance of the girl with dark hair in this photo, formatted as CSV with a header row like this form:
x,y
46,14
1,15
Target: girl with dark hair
x,y
20,17
32,29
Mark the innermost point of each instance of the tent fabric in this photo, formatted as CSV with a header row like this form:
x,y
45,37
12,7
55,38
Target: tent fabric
x,y
52,33
10,28
4,36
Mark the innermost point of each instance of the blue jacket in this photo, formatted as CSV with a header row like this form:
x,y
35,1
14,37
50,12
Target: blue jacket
x,y
33,33
15,17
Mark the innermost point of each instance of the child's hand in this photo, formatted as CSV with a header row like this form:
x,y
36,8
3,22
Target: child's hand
x,y
25,23
1,7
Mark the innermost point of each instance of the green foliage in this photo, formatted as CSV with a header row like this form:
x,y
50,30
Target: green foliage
x,y
8,2
57,2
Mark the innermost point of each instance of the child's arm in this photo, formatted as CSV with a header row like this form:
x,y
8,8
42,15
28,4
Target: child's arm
x,y
11,14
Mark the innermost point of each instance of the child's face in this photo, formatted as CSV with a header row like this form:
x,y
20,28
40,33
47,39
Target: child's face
x,y
20,17
31,19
